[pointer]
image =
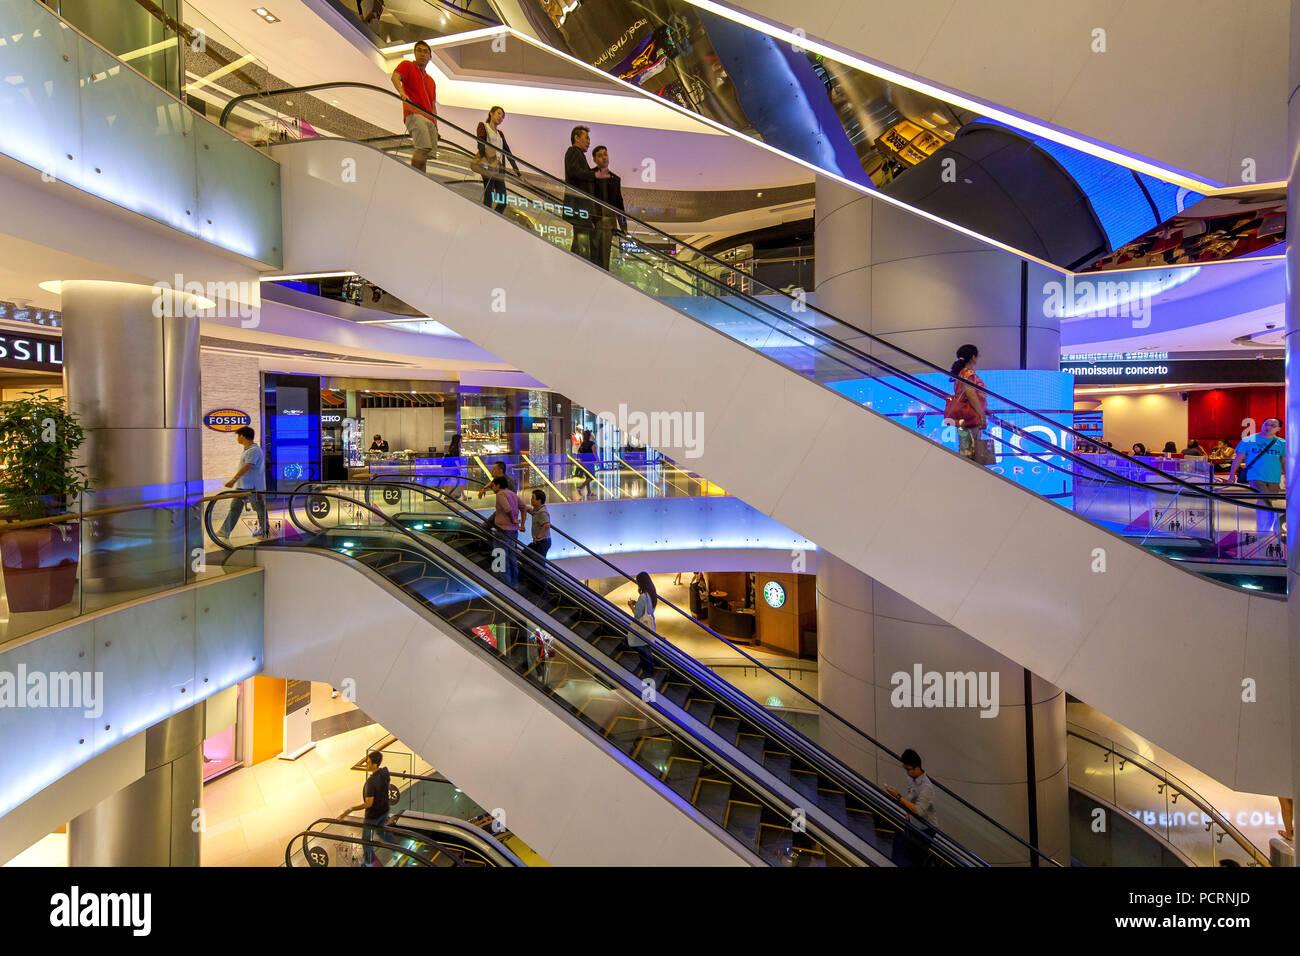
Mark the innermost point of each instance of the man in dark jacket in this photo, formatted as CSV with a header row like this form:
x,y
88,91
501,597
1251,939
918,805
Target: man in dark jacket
x,y
579,177
609,190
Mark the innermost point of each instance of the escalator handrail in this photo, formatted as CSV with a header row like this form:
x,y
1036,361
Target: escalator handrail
x,y
483,843
758,787
309,833
870,360
1155,770
744,703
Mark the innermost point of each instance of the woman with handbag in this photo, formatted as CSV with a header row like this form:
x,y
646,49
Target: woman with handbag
x,y
644,612
967,407
493,151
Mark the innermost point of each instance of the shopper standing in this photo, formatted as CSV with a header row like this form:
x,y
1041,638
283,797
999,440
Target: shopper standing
x,y
493,152
913,843
644,612
505,523
966,407
609,190
419,103
374,801
578,176
1262,454
585,469
541,524
251,476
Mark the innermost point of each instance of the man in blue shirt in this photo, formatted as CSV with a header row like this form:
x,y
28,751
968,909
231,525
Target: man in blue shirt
x,y
250,477
1260,457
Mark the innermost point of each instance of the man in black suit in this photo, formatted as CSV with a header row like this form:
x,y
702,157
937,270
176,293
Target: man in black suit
x,y
579,177
609,190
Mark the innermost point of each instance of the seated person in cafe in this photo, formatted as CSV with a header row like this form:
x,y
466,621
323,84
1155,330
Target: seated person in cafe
x,y
1193,450
379,444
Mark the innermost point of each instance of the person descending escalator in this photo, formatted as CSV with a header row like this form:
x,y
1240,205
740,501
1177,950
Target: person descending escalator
x,y
966,407
374,801
493,154
912,845
581,183
643,609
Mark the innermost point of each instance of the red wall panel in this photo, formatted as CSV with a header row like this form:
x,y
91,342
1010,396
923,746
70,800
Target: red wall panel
x,y
1219,412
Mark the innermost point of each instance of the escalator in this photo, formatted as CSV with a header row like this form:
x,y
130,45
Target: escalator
x,y
776,795
1060,581
422,841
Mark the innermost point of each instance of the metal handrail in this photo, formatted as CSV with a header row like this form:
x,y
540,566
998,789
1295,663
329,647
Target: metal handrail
x,y
1158,772
531,557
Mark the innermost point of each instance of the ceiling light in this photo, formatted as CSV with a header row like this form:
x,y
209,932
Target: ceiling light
x,y
266,14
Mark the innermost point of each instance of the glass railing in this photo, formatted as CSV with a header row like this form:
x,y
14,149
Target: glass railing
x,y
1226,524
1218,539
1151,795
70,109
795,727
113,546
564,667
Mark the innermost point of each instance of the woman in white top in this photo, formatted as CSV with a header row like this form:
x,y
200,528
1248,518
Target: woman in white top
x,y
644,612
493,152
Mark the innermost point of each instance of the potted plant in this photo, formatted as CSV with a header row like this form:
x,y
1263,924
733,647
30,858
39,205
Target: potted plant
x,y
39,437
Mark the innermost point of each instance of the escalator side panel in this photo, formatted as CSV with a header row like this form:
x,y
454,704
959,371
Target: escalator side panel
x,y
560,790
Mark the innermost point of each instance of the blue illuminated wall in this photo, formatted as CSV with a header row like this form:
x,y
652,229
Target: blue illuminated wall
x,y
1049,393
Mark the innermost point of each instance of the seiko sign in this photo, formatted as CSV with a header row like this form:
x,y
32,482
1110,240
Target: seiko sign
x,y
42,353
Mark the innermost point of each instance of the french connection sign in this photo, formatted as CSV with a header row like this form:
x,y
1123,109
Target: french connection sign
x,y
1027,462
226,419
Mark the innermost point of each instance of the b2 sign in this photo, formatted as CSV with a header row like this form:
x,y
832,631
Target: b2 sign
x,y
226,419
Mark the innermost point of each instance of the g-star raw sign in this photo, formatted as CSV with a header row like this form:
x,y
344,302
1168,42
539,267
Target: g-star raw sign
x,y
39,353
226,419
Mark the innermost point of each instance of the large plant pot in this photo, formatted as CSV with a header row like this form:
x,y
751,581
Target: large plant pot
x,y
40,566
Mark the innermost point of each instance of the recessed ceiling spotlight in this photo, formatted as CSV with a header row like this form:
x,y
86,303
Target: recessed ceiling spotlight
x,y
266,14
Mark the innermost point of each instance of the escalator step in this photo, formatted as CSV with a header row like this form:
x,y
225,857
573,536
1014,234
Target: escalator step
x,y
677,693
661,676
711,798
602,711
681,775
775,844
832,801
608,645
805,784
743,821
777,764
728,728
654,753
625,732
701,710
751,745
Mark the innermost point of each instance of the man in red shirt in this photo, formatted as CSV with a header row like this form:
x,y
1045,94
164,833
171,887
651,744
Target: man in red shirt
x,y
417,89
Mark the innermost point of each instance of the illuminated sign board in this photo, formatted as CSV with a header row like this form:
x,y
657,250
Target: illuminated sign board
x,y
1127,368
226,419
36,353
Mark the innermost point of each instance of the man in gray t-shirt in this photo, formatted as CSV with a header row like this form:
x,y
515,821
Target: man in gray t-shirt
x,y
911,845
541,524
251,476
